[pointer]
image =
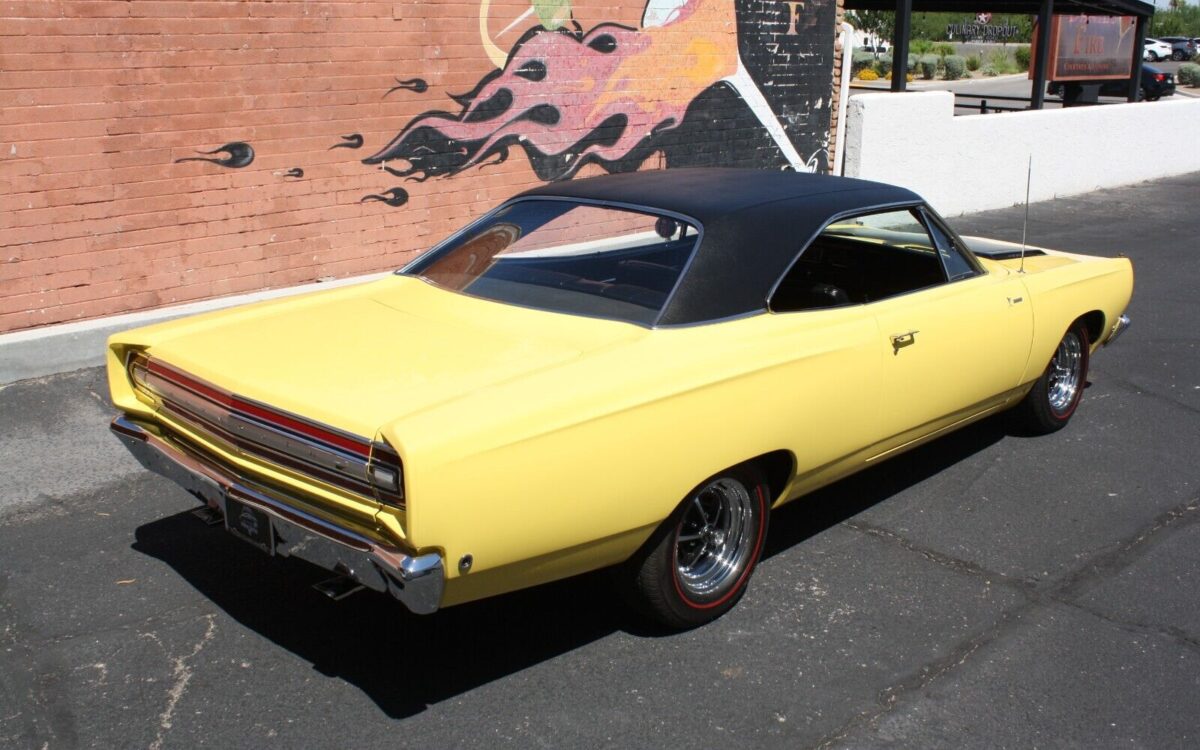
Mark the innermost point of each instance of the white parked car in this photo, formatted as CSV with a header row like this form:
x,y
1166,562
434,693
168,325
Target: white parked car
x,y
1156,50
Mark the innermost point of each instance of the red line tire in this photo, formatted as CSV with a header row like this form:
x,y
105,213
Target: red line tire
x,y
697,564
1056,394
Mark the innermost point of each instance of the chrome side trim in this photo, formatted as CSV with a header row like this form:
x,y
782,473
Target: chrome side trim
x,y
1118,328
417,581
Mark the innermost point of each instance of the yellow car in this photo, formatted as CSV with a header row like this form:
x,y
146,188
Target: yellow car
x,y
625,371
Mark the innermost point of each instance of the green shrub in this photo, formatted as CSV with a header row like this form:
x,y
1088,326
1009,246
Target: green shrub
x,y
883,66
991,71
929,66
912,63
1189,74
1021,54
860,61
955,67
999,60
920,46
973,63
943,49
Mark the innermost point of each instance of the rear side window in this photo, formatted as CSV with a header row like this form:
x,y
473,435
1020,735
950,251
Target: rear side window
x,y
859,260
569,257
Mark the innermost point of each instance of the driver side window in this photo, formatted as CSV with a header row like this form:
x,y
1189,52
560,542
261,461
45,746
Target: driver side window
x,y
861,259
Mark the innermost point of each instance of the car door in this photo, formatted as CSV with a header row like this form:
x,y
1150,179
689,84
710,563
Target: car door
x,y
822,395
954,339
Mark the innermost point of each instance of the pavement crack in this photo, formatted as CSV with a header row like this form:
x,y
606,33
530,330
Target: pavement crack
x,y
1179,635
890,696
938,558
167,617
1117,558
1122,554
181,671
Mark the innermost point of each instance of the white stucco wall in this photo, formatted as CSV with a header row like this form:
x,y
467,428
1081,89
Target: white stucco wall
x,y
977,162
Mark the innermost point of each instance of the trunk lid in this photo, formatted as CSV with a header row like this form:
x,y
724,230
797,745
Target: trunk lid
x,y
356,359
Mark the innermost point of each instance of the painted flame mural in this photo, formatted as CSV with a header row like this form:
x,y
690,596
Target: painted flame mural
x,y
613,95
700,82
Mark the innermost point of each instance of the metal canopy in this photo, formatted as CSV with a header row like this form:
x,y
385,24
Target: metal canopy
x,y
1043,9
1025,7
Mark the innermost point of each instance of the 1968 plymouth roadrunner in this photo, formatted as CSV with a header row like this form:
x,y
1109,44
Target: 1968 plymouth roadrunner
x,y
625,371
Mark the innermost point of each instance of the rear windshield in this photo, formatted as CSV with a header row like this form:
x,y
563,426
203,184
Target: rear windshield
x,y
568,257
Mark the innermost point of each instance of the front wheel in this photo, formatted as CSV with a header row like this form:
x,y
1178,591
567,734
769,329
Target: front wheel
x,y
1177,55
1055,395
698,563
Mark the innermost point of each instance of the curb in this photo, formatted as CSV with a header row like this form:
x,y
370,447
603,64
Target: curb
x,y
38,352
922,85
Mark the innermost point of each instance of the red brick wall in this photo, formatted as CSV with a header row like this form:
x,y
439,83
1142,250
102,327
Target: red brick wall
x,y
99,99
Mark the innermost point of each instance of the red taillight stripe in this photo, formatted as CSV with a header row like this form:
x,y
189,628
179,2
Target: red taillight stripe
x,y
359,448
178,378
348,444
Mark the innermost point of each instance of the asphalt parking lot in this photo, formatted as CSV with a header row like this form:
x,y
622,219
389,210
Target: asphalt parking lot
x,y
986,590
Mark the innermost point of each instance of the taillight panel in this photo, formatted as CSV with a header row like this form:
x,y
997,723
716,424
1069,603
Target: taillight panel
x,y
288,440
386,474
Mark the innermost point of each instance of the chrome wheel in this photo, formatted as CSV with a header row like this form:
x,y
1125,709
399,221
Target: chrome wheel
x,y
1066,375
697,563
716,539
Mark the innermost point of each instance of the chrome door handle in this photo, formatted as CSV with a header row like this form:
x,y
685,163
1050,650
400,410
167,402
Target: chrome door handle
x,y
901,340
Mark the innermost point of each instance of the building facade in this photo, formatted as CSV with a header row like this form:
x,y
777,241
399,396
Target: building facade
x,y
158,152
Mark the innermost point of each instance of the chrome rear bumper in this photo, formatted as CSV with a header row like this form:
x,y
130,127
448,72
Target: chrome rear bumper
x,y
1118,328
417,581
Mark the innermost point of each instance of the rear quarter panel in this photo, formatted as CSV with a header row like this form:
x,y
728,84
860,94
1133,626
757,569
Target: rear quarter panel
x,y
573,468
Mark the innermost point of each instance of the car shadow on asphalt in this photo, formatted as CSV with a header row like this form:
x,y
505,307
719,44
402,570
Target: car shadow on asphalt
x,y
405,663
842,500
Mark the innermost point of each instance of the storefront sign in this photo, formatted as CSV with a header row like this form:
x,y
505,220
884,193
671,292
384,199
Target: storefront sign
x,y
982,30
1090,48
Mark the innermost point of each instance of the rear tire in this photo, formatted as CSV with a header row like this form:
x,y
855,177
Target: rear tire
x,y
1055,395
697,564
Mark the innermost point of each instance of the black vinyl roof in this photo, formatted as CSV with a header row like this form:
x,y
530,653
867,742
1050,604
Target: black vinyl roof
x,y
754,223
708,193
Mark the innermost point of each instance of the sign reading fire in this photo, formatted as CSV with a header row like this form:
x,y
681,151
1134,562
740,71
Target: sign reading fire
x,y
1089,48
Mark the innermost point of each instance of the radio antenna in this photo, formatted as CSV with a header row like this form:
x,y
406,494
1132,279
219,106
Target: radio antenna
x,y
1025,226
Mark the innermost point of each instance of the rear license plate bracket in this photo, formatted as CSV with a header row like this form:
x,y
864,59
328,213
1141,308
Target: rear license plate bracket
x,y
249,524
